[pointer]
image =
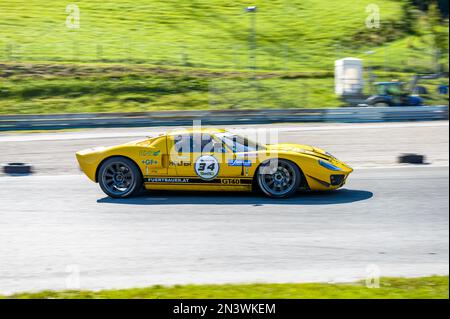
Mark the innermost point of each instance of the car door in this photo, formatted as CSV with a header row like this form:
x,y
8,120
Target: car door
x,y
204,162
193,156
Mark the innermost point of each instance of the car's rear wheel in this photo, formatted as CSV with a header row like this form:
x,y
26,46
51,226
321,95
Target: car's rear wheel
x,y
279,178
119,177
381,104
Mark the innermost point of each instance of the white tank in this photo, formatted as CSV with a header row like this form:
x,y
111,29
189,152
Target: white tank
x,y
348,75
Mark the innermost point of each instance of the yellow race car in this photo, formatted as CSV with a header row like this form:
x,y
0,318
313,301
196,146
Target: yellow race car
x,y
211,160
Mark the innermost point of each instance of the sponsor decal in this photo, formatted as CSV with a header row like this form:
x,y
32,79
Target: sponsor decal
x,y
239,162
167,180
181,163
149,153
149,162
193,180
231,181
207,167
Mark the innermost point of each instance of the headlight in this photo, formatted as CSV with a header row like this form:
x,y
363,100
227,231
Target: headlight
x,y
329,166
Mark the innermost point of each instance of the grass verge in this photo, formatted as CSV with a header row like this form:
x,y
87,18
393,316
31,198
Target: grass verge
x,y
434,287
64,88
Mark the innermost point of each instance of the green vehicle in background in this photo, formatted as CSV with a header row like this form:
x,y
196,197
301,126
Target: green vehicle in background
x,y
398,93
393,94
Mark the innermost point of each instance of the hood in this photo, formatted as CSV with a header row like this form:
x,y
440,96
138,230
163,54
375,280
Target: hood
x,y
300,148
315,152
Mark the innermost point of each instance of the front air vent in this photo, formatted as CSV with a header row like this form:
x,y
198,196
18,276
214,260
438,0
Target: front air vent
x,y
337,179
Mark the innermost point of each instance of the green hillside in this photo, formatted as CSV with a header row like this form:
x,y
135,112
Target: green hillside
x,y
144,55
202,33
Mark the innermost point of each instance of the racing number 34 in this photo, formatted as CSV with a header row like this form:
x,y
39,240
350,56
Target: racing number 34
x,y
207,167
202,166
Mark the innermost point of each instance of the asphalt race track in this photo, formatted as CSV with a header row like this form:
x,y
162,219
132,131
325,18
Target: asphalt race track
x,y
359,145
56,228
59,231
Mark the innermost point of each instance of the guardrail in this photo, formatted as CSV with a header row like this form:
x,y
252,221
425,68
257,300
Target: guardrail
x,y
217,117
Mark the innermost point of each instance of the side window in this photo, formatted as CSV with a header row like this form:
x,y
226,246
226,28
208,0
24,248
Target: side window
x,y
197,143
212,145
207,144
239,145
183,143
219,148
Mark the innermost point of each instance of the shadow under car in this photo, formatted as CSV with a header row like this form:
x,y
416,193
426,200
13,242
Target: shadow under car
x,y
341,196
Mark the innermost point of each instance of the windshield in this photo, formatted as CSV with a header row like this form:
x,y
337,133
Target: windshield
x,y
238,143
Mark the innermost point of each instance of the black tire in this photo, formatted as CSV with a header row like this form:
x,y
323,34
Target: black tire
x,y
17,168
119,177
278,174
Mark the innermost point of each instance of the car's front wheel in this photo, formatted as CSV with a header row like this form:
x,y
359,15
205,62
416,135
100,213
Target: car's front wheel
x,y
279,178
119,177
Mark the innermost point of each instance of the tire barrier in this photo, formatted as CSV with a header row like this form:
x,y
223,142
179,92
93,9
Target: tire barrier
x,y
411,159
17,169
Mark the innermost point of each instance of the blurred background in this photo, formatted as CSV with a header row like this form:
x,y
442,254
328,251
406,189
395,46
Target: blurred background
x,y
306,60
110,56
